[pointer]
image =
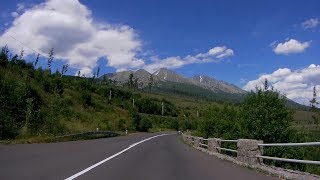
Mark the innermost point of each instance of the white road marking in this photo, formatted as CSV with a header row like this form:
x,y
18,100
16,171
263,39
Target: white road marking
x,y
111,157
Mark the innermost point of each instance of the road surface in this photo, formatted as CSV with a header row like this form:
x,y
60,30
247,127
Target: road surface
x,y
162,157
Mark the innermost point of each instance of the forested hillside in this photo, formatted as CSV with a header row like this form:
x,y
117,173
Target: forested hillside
x,y
39,102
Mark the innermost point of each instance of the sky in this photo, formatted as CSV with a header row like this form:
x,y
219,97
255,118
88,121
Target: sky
x,y
240,42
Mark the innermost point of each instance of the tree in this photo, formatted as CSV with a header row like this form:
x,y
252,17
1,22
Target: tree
x,y
313,104
98,72
64,69
50,58
313,101
21,54
4,56
145,124
150,83
135,83
265,116
37,60
130,83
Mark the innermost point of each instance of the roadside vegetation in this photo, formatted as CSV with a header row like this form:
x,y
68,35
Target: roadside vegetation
x,y
264,116
37,103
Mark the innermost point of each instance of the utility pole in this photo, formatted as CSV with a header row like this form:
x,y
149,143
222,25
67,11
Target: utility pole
x,y
162,109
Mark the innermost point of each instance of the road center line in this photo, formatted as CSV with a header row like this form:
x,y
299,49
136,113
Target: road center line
x,y
111,157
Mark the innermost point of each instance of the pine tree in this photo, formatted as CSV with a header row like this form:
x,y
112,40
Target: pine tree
x,y
150,84
37,60
4,56
64,69
50,58
313,101
130,83
21,54
313,104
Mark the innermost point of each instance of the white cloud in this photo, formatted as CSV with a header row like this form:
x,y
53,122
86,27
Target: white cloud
x,y
296,85
218,52
291,46
310,23
213,55
243,80
20,7
69,28
14,14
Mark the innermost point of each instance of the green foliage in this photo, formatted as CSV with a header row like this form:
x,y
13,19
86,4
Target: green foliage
x,y
145,124
148,106
265,117
187,124
36,103
136,118
220,122
4,56
86,98
314,103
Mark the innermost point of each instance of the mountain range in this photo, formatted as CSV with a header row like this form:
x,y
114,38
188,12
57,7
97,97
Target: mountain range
x,y
165,75
199,86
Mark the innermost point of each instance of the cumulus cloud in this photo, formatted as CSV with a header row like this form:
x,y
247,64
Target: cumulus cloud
x,y
215,54
296,85
310,23
68,27
291,46
20,8
14,14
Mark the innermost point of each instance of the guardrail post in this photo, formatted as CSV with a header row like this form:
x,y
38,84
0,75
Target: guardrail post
x,y
196,142
247,151
213,144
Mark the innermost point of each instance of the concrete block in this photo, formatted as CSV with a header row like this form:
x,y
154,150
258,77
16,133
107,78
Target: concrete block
x,y
247,151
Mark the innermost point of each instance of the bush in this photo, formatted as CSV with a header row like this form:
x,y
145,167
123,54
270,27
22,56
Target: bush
x,y
86,98
145,124
266,117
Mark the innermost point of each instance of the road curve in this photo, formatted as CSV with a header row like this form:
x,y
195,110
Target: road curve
x,y
164,157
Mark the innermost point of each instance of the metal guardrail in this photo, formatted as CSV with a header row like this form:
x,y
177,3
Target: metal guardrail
x,y
225,149
290,160
202,144
290,145
226,140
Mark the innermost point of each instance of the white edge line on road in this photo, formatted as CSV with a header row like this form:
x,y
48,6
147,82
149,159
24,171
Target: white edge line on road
x,y
111,157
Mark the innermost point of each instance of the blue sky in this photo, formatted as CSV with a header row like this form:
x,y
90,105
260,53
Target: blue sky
x,y
257,38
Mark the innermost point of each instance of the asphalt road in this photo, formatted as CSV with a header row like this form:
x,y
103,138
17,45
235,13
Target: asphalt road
x,y
164,157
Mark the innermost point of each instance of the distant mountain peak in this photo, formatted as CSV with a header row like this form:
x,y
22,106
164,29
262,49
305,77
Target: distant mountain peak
x,y
166,75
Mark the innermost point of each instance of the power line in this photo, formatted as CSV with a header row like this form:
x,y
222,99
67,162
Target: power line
x,y
23,45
